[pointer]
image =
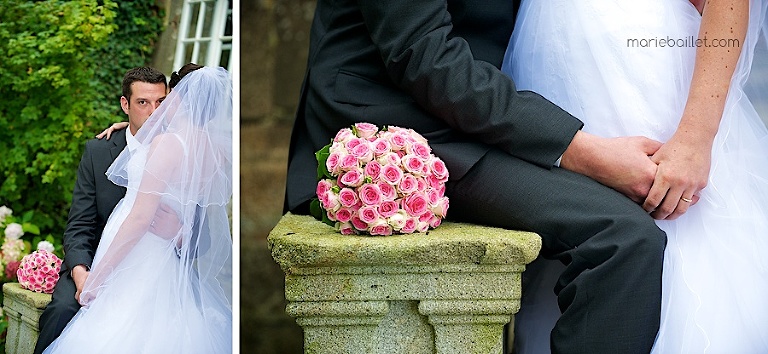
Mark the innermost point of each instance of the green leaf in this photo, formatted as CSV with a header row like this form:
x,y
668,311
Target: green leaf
x,y
27,216
319,213
30,228
322,156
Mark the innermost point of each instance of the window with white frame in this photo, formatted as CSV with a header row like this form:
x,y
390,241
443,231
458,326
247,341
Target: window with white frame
x,y
205,34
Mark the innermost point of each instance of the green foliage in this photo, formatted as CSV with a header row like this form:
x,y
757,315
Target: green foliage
x,y
45,80
139,25
60,76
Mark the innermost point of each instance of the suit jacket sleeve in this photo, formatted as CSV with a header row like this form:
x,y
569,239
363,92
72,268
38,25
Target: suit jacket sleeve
x,y
80,236
472,96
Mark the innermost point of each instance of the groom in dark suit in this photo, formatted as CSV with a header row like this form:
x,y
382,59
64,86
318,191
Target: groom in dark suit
x,y
515,159
94,198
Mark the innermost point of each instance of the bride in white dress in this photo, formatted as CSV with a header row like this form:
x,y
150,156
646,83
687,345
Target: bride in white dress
x,y
626,68
148,294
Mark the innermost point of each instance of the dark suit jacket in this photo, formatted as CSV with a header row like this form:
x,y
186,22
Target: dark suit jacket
x,y
93,200
428,65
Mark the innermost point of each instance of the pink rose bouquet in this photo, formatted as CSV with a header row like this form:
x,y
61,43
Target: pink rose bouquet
x,y
39,271
380,182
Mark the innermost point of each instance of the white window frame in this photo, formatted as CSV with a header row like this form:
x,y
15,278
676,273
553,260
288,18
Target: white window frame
x,y
216,40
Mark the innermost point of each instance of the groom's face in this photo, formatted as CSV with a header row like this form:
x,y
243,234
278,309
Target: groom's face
x,y
145,98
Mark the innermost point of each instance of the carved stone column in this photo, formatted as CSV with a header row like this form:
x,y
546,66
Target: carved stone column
x,y
451,290
23,308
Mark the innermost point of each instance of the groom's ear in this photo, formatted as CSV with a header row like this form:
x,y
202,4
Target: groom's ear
x,y
124,104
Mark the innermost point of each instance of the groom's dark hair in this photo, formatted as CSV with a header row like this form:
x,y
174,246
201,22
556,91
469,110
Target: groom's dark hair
x,y
141,74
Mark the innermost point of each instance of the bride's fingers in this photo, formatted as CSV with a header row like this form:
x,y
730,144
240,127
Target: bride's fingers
x,y
655,196
671,204
683,204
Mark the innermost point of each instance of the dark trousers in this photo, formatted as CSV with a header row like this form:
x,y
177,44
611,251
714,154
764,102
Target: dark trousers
x,y
610,291
59,311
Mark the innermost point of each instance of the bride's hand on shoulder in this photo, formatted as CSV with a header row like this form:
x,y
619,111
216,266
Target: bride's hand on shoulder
x,y
683,170
112,128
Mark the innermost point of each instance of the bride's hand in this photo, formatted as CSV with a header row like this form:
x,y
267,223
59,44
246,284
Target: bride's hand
x,y
112,128
166,223
79,275
684,163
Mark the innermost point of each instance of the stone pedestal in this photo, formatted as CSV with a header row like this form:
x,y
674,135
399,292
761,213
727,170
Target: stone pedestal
x,y
449,291
23,308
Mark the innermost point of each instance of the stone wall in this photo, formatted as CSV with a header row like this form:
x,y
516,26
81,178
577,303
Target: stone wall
x,y
274,38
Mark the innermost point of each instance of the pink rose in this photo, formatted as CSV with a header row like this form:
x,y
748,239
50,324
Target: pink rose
x,y
388,208
380,228
413,164
372,170
408,184
397,141
426,216
351,144
440,207
330,201
362,152
347,229
380,146
344,215
347,197
423,226
439,169
388,192
434,183
432,196
370,194
331,215
420,150
415,204
368,214
332,164
397,220
435,222
322,187
352,178
360,225
391,174
422,183
366,130
410,225
344,135
389,158
348,162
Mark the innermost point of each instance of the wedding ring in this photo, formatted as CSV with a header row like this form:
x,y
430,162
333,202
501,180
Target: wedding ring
x,y
686,199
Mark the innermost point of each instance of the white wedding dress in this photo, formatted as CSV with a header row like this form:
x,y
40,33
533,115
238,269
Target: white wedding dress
x,y
143,308
597,60
167,295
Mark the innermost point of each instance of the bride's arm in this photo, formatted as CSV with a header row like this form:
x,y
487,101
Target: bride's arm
x,y
159,169
684,161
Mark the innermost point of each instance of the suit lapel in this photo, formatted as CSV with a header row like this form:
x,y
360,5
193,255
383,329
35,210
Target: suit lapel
x,y
118,141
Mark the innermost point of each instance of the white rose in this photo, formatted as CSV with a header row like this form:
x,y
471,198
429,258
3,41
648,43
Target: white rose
x,y
13,231
45,245
4,213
